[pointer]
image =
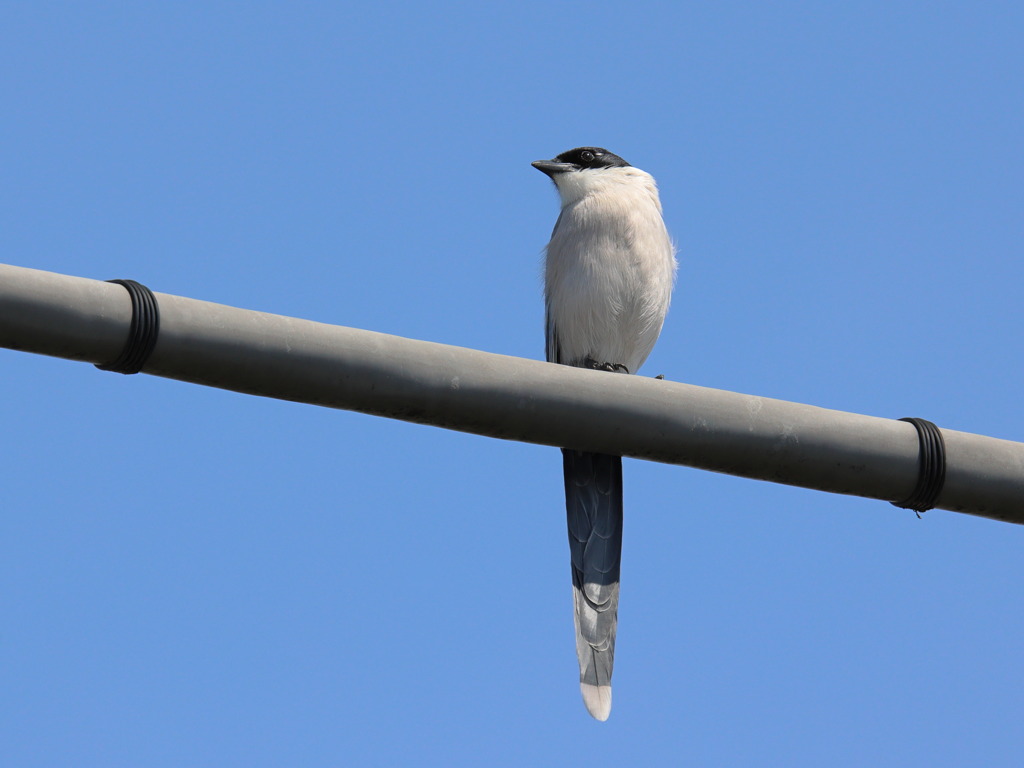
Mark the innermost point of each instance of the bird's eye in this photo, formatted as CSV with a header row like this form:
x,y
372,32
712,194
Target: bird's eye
x,y
587,156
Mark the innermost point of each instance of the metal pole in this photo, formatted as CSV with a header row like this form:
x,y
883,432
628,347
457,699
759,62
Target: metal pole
x,y
508,397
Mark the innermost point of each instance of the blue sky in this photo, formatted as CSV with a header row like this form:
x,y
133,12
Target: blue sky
x,y
196,577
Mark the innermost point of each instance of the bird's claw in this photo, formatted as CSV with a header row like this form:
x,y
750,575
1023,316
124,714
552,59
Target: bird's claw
x,y
589,362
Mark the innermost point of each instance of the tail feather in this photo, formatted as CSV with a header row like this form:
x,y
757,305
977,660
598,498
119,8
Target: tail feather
x,y
593,503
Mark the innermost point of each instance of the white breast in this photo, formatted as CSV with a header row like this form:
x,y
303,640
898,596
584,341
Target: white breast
x,y
609,270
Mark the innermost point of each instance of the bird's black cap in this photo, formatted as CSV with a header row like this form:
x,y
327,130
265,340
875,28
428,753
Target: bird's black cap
x,y
579,159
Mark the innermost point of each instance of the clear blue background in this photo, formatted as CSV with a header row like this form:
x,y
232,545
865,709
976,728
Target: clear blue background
x,y
196,577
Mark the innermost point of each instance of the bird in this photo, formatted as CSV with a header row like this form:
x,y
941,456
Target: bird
x,y
609,270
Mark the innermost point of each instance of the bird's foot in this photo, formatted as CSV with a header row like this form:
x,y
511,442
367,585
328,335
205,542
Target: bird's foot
x,y
589,362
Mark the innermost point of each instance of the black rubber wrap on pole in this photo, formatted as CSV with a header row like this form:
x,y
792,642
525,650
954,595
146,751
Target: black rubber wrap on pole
x,y
932,467
142,332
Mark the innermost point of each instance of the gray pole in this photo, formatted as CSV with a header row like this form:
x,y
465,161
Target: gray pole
x,y
508,397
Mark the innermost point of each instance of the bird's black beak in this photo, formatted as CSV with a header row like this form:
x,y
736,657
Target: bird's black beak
x,y
552,167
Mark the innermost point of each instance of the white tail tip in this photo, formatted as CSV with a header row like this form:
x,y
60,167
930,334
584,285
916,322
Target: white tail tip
x,y
598,700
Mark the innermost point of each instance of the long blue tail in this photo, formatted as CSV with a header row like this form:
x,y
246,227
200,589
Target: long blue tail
x,y
593,505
